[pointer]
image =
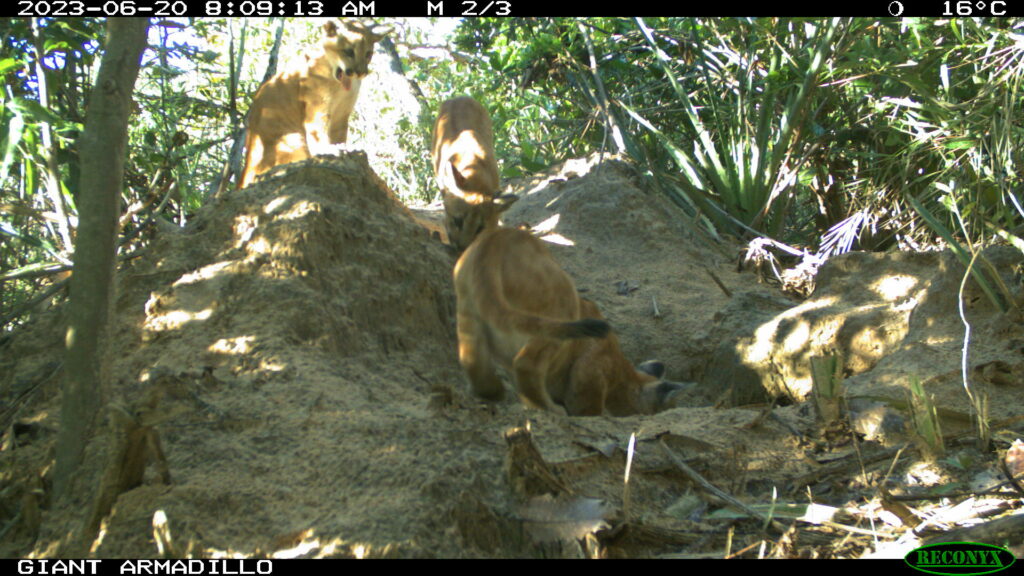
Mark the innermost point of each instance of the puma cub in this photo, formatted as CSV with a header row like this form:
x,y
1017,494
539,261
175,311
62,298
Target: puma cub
x,y
304,110
518,309
467,170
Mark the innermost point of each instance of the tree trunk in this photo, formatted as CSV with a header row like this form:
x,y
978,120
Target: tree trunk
x,y
102,152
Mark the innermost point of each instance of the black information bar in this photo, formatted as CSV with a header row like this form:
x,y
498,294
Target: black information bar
x,y
184,567
520,8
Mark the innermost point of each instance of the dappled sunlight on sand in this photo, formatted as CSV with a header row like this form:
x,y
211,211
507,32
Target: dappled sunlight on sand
x,y
546,232
799,336
893,288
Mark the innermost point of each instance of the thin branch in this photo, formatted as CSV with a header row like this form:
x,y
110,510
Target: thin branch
x,y
610,121
715,491
976,404
35,272
718,282
52,290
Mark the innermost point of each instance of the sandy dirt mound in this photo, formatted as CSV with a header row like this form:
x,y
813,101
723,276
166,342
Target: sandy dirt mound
x,y
634,254
893,319
302,331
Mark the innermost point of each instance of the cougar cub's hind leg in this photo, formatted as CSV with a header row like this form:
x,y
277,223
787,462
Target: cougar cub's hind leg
x,y
475,358
586,397
531,370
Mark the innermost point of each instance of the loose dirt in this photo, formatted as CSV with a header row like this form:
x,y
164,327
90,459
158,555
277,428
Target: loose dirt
x,y
299,335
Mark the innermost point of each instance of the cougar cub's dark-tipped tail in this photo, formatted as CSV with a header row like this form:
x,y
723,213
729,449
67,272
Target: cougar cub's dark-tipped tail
x,y
585,328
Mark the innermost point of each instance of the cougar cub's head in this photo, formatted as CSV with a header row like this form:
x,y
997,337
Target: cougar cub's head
x,y
350,44
656,393
467,215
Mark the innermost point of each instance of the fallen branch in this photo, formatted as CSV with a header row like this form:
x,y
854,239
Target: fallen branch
x,y
844,468
718,282
1007,531
715,491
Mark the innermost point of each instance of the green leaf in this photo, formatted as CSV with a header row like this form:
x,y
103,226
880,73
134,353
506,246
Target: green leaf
x,y
8,229
15,130
55,44
961,143
36,112
8,64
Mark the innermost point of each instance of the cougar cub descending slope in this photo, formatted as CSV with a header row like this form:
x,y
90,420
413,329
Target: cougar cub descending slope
x,y
518,309
304,110
467,170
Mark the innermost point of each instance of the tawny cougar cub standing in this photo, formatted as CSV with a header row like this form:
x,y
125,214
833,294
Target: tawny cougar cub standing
x,y
467,170
519,310
304,110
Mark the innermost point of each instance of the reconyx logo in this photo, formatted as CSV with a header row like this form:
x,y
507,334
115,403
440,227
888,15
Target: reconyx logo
x,y
959,558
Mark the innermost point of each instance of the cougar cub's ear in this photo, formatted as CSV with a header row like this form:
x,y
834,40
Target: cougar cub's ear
x,y
330,29
654,368
505,201
377,33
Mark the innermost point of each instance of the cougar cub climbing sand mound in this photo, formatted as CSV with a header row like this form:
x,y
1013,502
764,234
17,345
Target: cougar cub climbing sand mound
x,y
304,110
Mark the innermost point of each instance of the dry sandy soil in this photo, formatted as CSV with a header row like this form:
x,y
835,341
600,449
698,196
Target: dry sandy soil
x,y
299,337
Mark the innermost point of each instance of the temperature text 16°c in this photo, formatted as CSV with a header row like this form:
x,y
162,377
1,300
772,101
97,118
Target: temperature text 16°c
x,y
974,8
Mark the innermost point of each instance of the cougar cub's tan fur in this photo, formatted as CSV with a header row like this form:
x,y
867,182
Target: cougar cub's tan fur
x,y
519,310
467,170
304,110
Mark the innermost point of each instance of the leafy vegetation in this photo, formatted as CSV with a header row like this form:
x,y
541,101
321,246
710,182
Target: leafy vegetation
x,y
826,134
